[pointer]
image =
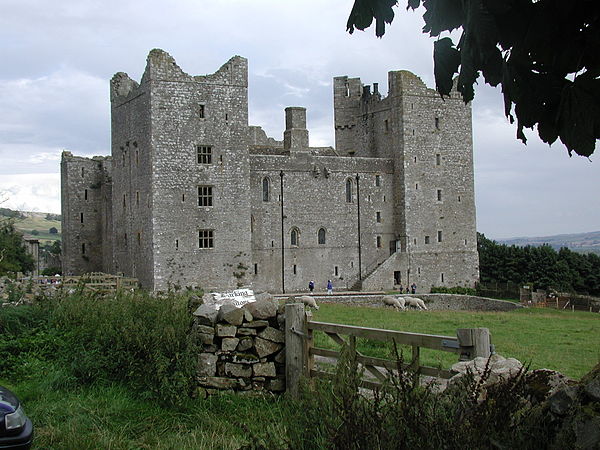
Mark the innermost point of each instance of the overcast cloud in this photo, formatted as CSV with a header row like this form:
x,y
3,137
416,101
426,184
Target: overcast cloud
x,y
58,57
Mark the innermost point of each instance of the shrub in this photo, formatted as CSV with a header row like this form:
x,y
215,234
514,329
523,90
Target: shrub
x,y
138,338
459,290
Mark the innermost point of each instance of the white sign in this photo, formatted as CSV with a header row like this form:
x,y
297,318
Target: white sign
x,y
237,297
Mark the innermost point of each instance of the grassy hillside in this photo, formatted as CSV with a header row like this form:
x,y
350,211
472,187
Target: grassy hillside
x,y
37,221
578,242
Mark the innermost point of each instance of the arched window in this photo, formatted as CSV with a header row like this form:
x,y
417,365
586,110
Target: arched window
x,y
321,236
294,237
349,190
265,189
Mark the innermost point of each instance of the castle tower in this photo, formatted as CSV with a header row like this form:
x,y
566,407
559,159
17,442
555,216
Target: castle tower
x,y
182,174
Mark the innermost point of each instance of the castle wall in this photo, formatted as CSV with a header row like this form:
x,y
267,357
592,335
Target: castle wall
x,y
82,207
314,197
132,179
187,113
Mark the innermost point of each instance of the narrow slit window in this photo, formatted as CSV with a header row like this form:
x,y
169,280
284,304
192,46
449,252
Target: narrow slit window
x,y
265,189
378,241
137,198
201,111
437,123
427,239
255,269
82,172
378,216
85,194
83,249
295,269
349,190
176,244
336,271
377,180
439,195
139,238
439,236
438,159
81,217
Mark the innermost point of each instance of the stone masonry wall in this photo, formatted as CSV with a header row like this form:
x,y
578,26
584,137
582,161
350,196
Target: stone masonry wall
x,y
242,348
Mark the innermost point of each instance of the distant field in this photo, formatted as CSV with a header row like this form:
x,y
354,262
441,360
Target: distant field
x,y
37,221
561,340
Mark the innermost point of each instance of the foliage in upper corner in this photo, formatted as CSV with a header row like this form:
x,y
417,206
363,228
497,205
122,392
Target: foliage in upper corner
x,y
545,54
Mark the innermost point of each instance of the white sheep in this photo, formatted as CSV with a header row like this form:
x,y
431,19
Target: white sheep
x,y
415,302
309,301
396,302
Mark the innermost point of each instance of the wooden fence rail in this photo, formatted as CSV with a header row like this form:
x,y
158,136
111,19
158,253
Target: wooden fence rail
x,y
468,343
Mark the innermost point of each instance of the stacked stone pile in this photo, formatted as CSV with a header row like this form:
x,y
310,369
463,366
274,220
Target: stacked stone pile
x,y
242,348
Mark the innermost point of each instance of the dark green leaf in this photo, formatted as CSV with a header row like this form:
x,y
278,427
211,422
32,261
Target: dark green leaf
x,y
446,60
414,4
442,15
364,11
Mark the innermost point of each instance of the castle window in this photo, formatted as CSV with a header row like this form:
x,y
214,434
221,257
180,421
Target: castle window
x,y
442,277
377,180
438,159
226,117
124,202
349,190
415,241
427,239
294,269
125,239
176,244
465,242
85,194
137,156
387,125
205,195
137,198
265,189
378,216
378,241
204,153
439,195
336,271
415,159
437,123
205,239
416,186
459,198
83,249
183,197
294,237
123,158
418,271
82,172
255,269
139,238
201,111
439,236
321,236
81,217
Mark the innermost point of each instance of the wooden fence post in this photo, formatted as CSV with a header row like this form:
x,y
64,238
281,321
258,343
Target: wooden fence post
x,y
474,342
295,359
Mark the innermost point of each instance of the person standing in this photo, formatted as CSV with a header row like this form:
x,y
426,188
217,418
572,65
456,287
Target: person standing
x,y
329,287
311,286
413,288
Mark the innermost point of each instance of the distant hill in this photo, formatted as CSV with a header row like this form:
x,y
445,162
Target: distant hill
x,y
578,242
35,224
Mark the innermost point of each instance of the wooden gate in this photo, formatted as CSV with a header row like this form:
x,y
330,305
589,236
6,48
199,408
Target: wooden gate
x,y
468,343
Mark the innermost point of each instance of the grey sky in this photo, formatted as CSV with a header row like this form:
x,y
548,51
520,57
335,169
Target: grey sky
x,y
57,59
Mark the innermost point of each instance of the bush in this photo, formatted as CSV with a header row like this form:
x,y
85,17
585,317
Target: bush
x,y
406,414
53,230
143,340
459,290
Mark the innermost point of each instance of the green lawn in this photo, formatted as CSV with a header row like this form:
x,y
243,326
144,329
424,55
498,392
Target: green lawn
x,y
37,221
561,340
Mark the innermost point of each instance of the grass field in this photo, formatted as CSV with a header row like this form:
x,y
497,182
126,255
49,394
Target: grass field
x,y
67,415
37,221
561,340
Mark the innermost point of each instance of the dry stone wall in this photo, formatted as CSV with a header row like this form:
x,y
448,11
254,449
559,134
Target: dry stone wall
x,y
242,348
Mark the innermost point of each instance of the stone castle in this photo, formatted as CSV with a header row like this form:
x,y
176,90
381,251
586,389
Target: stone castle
x,y
193,196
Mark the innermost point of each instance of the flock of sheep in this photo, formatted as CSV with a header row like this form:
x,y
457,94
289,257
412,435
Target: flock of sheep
x,y
397,302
